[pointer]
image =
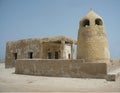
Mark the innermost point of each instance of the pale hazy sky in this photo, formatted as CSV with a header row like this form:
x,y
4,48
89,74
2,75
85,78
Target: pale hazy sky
x,y
21,19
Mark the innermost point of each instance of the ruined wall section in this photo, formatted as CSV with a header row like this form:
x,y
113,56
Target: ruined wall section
x,y
22,48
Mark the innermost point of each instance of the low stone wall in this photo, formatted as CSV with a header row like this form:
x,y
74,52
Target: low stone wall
x,y
61,68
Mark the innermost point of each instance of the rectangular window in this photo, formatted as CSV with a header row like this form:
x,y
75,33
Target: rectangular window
x,y
15,56
30,55
49,55
56,55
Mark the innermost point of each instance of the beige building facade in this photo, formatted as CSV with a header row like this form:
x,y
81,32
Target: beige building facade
x,y
59,47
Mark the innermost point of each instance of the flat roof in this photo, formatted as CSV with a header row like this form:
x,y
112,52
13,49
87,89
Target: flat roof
x,y
48,39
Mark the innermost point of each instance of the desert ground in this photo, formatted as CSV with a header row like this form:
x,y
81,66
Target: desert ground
x,y
10,82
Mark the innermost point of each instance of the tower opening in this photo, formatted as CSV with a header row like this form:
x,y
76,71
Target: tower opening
x,y
98,22
85,23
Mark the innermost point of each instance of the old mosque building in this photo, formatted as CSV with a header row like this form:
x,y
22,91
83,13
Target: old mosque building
x,y
55,56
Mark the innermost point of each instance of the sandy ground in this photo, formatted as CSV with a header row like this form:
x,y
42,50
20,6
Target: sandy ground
x,y
10,82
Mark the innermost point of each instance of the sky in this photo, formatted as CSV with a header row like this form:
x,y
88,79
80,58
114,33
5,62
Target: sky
x,y
22,19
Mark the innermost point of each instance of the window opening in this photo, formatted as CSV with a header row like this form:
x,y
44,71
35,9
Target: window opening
x,y
98,22
86,23
30,55
49,55
15,56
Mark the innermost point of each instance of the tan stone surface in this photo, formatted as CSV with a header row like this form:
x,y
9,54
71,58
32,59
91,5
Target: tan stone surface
x,y
62,68
92,40
39,48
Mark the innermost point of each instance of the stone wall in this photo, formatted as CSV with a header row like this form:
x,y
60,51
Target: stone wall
x,y
38,48
61,68
21,48
52,47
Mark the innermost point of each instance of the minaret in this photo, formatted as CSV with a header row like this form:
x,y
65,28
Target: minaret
x,y
92,40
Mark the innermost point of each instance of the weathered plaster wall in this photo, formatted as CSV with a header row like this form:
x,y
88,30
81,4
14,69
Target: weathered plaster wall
x,y
64,68
22,47
52,48
63,50
39,49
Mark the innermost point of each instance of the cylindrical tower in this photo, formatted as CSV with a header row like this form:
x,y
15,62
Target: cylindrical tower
x,y
92,40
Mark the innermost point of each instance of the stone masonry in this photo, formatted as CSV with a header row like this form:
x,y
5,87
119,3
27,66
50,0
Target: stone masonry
x,y
54,56
92,40
59,47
